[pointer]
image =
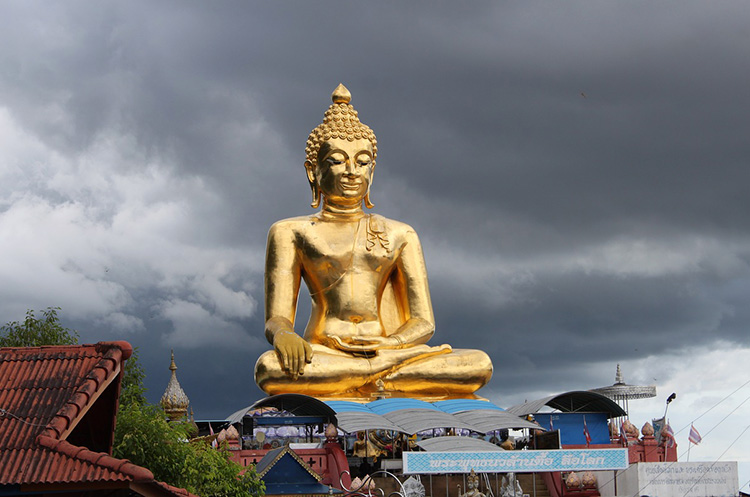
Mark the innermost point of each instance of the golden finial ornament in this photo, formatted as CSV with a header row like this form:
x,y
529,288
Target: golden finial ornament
x,y
174,401
341,95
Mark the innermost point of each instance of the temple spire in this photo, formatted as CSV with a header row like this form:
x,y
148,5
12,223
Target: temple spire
x,y
618,376
174,401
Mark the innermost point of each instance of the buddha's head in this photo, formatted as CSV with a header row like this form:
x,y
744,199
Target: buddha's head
x,y
341,154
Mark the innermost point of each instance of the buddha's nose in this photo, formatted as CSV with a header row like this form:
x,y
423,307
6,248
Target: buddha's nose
x,y
350,168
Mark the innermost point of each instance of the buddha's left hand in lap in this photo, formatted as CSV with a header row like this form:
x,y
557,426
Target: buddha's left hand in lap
x,y
366,344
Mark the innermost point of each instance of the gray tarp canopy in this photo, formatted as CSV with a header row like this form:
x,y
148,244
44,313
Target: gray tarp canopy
x,y
362,421
397,414
457,444
487,420
574,401
411,421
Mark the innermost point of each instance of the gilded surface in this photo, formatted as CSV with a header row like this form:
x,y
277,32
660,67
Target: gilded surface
x,y
371,311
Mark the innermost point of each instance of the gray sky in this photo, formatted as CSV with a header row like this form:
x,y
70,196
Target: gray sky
x,y
577,172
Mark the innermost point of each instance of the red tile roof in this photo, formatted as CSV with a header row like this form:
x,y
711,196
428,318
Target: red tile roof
x,y
45,392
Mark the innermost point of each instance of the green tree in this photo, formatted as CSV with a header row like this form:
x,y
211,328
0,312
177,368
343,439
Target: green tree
x,y
132,390
142,433
34,332
145,437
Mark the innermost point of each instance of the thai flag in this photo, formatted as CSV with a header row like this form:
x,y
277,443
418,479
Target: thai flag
x,y
586,433
551,426
670,436
694,436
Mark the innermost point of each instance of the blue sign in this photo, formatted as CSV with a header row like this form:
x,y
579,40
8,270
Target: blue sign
x,y
570,425
515,461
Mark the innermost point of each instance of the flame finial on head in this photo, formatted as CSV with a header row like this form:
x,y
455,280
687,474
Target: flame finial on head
x,y
341,95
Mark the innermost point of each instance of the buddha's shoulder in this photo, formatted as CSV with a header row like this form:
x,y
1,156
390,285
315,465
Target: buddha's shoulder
x,y
292,225
391,226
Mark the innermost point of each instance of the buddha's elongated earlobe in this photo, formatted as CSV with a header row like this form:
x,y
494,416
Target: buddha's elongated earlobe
x,y
368,203
315,195
310,169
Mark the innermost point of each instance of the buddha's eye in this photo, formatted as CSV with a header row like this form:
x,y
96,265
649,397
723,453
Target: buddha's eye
x,y
335,161
364,161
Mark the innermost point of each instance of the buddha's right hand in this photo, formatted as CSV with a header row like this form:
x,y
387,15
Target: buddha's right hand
x,y
294,352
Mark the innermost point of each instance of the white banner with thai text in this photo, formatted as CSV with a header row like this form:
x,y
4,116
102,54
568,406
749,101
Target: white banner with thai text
x,y
688,479
516,461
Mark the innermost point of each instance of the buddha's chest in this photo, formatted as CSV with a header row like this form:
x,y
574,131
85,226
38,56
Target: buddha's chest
x,y
329,249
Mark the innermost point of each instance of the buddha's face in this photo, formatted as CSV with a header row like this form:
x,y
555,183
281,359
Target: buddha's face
x,y
344,170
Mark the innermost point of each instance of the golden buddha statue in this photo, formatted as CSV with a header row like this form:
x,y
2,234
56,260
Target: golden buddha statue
x,y
371,310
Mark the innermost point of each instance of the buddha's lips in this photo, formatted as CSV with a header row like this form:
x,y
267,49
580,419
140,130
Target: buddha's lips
x,y
350,185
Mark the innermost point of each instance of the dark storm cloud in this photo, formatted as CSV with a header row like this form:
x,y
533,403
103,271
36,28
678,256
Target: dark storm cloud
x,y
535,149
499,94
